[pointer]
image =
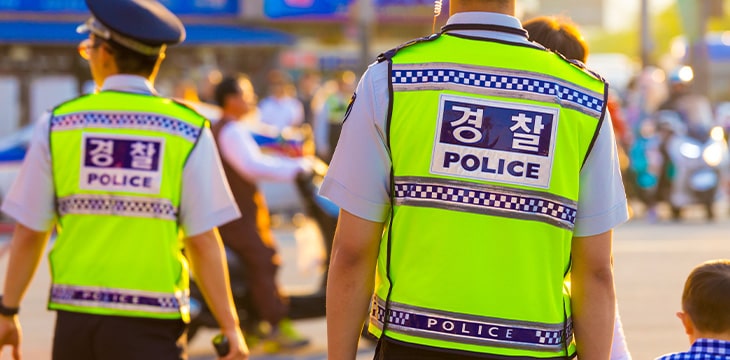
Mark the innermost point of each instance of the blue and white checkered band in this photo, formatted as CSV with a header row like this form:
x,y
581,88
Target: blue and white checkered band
x,y
471,329
494,81
486,199
117,206
126,120
122,299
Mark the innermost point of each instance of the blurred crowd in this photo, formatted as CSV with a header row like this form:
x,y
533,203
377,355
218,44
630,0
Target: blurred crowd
x,y
672,142
306,109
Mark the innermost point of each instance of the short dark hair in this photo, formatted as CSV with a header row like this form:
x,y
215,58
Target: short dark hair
x,y
129,61
558,34
228,86
706,296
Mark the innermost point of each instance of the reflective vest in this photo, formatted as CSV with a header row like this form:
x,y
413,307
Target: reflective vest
x,y
487,141
118,162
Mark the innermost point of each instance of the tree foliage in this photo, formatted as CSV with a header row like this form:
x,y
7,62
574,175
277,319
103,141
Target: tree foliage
x,y
665,26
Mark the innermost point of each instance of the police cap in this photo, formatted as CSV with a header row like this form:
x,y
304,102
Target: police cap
x,y
145,26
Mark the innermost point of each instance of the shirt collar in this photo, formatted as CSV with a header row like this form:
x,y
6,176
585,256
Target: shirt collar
x,y
711,346
129,83
489,18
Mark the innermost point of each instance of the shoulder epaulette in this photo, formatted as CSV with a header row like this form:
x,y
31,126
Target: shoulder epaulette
x,y
390,53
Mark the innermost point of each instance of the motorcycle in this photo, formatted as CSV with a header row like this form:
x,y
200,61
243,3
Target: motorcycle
x,y
698,154
301,306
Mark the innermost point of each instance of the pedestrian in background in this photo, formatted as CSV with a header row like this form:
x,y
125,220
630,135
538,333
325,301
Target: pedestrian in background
x,y
281,108
307,86
705,312
475,171
329,118
250,236
562,36
130,180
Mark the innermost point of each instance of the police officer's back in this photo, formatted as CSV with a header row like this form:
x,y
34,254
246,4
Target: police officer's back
x,y
475,171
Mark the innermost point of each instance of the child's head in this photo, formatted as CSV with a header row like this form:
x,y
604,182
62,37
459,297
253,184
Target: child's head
x,y
705,304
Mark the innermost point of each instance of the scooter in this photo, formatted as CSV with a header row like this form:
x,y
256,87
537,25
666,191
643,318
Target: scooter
x,y
301,306
699,154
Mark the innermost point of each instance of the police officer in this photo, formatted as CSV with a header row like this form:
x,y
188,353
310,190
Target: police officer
x,y
475,172
121,173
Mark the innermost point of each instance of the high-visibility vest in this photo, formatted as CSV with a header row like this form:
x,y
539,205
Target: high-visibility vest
x,y
118,161
487,141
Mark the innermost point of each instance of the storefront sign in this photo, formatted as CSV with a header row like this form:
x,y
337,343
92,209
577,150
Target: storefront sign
x,y
180,7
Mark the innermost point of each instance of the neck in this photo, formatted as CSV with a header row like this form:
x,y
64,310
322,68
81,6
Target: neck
x,y
709,335
506,7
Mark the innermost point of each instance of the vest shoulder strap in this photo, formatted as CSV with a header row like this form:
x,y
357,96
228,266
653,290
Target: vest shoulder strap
x,y
70,101
193,112
580,65
386,56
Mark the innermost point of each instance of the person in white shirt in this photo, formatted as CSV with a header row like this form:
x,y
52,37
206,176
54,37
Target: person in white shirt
x,y
281,108
250,235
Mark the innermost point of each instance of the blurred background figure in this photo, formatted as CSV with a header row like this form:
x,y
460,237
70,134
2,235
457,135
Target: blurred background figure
x,y
307,86
281,108
328,122
250,236
206,86
186,90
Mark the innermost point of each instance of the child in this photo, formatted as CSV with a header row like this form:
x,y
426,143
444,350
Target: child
x,y
706,312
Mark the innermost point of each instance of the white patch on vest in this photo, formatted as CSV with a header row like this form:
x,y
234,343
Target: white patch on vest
x,y
495,141
121,163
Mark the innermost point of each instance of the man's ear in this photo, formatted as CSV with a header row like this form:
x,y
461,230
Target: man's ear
x,y
689,326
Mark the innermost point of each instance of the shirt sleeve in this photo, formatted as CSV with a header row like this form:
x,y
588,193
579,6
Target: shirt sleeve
x,y
206,200
359,175
602,201
619,349
31,198
240,149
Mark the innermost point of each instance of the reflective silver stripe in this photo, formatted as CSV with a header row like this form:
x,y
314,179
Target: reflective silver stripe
x,y
117,205
126,120
486,199
120,299
494,81
471,329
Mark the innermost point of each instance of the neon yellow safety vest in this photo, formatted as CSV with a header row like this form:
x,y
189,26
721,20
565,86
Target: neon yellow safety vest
x,y
118,162
487,141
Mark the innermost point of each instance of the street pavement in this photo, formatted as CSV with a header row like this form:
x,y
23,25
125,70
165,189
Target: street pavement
x,y
652,261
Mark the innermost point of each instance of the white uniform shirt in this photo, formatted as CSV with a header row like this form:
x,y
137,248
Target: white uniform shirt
x,y
206,202
240,150
358,179
281,113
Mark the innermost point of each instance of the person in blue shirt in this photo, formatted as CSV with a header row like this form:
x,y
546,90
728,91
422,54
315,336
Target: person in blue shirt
x,y
705,312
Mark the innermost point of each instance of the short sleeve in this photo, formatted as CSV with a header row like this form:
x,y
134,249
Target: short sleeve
x,y
30,200
207,201
602,201
358,179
